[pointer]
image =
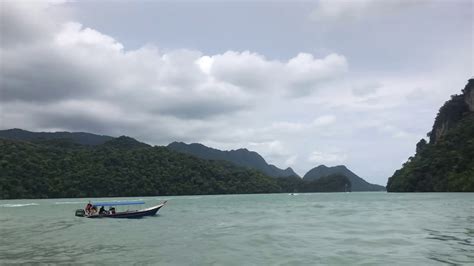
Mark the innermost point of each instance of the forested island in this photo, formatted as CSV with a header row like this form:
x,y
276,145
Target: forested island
x,y
446,162
65,164
251,159
357,183
47,167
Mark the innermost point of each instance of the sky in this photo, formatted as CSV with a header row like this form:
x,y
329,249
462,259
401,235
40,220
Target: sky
x,y
303,83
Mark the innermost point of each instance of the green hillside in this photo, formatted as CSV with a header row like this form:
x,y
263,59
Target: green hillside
x,y
76,137
446,163
62,168
357,183
241,157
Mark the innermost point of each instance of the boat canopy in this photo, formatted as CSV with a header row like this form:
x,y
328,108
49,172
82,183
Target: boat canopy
x,y
117,203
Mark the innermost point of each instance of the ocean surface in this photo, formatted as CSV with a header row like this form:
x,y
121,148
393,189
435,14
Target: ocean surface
x,y
264,229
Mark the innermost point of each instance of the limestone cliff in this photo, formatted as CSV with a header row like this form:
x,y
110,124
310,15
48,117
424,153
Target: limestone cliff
x,y
446,163
469,95
452,112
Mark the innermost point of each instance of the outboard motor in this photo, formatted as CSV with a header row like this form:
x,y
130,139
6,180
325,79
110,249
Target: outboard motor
x,y
80,213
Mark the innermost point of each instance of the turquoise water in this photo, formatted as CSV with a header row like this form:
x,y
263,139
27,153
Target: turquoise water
x,y
267,229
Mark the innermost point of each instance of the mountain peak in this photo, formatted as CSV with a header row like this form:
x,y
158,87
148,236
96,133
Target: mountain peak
x,y
321,166
358,184
341,167
82,138
240,157
126,142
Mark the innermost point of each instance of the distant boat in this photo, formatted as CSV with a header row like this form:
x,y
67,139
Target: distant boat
x,y
91,210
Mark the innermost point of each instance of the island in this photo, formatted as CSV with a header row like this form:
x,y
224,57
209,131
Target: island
x,y
445,163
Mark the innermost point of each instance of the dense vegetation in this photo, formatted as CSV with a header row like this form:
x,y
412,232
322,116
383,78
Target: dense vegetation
x,y
76,137
358,184
445,166
250,159
333,182
446,163
126,167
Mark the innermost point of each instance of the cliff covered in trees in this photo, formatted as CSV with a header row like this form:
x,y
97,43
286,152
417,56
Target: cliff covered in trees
x,y
446,162
63,168
357,183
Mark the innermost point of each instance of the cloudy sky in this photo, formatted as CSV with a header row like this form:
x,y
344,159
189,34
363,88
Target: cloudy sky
x,y
302,83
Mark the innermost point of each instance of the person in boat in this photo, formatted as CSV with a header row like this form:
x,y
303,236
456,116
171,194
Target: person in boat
x,y
93,210
88,208
112,210
102,210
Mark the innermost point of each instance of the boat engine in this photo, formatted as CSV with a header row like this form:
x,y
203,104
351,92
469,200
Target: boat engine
x,y
80,213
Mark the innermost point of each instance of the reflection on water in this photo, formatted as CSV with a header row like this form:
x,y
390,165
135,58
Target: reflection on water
x,y
275,229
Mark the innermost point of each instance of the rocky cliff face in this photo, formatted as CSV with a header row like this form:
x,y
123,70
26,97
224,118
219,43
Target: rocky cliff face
x,y
452,111
446,163
440,130
469,95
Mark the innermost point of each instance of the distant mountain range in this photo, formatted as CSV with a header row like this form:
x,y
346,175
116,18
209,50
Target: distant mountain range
x,y
358,184
240,157
76,137
251,159
124,167
121,167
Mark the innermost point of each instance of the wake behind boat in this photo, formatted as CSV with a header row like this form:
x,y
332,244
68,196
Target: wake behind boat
x,y
90,211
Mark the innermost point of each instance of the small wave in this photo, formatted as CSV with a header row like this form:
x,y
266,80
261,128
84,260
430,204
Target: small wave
x,y
11,205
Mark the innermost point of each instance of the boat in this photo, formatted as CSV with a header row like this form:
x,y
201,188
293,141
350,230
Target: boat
x,y
91,210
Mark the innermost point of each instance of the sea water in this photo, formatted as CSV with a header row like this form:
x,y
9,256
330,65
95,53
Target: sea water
x,y
262,229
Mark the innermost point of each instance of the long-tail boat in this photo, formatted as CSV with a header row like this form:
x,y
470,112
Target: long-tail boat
x,y
91,210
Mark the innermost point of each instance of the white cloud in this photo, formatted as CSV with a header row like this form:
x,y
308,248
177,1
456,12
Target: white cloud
x,y
272,148
366,89
81,63
396,132
245,69
291,160
73,33
299,76
100,86
323,120
57,73
205,64
330,158
300,127
23,22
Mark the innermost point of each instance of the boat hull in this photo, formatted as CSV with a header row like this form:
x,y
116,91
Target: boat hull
x,y
130,214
